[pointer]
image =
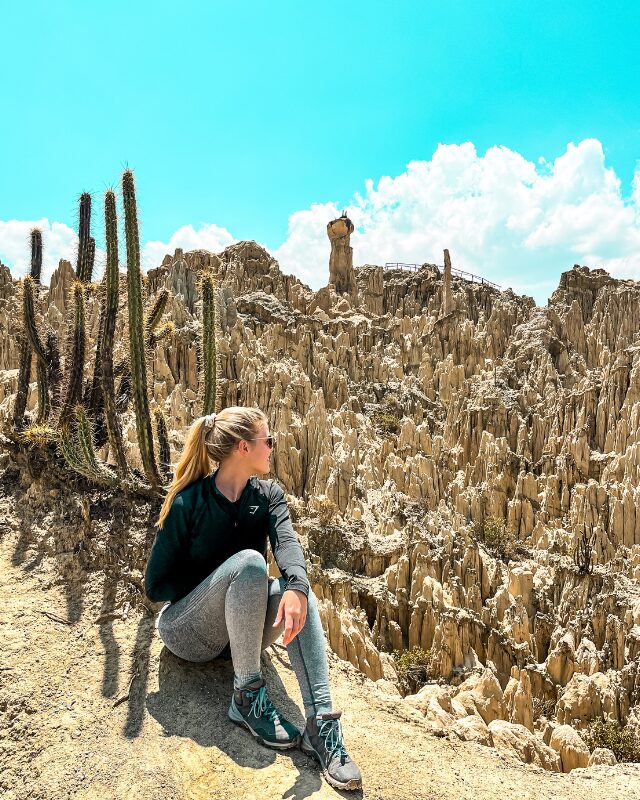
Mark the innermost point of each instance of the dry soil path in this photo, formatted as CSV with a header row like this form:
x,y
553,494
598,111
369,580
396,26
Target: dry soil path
x,y
94,706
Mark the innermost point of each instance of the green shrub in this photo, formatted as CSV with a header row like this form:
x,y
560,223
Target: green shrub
x,y
498,538
413,668
385,422
623,741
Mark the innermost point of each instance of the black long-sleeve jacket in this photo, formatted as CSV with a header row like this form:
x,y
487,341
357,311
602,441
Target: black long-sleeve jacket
x,y
204,528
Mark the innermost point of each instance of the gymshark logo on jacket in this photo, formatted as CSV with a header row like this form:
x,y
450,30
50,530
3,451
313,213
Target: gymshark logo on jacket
x,y
253,509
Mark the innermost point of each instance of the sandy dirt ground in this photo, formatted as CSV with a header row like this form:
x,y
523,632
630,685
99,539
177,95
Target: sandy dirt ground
x,y
92,705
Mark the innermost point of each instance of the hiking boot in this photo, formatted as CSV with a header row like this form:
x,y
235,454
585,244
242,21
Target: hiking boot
x,y
322,739
251,708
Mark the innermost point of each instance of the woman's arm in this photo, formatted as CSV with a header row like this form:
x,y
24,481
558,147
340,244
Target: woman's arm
x,y
284,542
164,579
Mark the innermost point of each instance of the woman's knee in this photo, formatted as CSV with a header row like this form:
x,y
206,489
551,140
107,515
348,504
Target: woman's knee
x,y
250,564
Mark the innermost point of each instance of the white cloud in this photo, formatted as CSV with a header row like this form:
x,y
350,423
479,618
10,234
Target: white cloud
x,y
58,241
305,251
516,222
207,237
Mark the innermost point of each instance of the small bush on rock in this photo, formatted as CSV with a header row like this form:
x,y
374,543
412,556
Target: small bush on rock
x,y
494,533
385,422
413,668
623,741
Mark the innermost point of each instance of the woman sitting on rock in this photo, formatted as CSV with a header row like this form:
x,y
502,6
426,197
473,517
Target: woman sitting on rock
x,y
209,562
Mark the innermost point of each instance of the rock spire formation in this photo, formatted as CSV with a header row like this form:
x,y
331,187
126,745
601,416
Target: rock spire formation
x,y
441,471
446,294
341,273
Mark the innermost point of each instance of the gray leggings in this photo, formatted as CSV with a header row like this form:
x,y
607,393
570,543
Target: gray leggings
x,y
237,605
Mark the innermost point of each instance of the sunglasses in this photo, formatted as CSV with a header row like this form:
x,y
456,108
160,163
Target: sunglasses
x,y
268,438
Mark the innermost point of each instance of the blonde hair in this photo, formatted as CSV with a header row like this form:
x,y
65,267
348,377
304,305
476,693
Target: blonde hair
x,y
204,445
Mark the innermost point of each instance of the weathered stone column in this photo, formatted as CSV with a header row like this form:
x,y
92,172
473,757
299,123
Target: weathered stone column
x,y
341,272
446,292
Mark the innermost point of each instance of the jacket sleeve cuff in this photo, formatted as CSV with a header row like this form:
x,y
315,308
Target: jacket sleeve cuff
x,y
299,583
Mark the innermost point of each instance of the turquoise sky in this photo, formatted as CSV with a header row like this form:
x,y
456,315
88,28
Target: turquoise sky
x,y
240,113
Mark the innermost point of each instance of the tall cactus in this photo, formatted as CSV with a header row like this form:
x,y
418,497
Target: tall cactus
x,y
91,258
111,292
26,344
155,314
164,455
54,372
137,356
84,263
36,254
209,346
74,359
42,367
76,343
95,401
36,345
24,378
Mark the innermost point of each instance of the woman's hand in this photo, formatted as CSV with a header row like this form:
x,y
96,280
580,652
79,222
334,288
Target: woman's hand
x,y
293,606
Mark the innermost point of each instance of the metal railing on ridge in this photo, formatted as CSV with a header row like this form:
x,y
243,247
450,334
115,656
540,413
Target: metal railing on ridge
x,y
460,272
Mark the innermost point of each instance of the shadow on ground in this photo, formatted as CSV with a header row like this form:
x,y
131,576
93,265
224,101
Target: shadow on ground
x,y
193,699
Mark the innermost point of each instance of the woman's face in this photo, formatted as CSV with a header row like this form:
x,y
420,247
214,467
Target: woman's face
x,y
260,450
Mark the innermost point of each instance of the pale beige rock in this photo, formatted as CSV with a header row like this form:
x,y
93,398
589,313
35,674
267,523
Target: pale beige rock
x,y
518,698
560,661
602,755
581,700
472,729
516,740
434,702
573,751
341,273
484,692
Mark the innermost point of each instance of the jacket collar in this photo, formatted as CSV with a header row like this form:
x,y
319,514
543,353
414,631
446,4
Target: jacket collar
x,y
248,487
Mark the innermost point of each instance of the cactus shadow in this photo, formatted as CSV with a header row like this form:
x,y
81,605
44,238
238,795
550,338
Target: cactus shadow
x,y
111,663
139,675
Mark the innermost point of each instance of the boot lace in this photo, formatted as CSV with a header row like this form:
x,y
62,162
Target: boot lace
x,y
330,730
261,704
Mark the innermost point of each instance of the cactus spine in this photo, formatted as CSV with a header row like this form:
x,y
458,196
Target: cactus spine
x,y
137,354
111,292
54,373
209,345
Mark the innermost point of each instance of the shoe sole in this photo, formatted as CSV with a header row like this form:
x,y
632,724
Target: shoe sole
x,y
242,723
348,786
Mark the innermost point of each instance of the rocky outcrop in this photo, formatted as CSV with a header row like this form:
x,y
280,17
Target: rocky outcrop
x,y
341,273
442,467
566,741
